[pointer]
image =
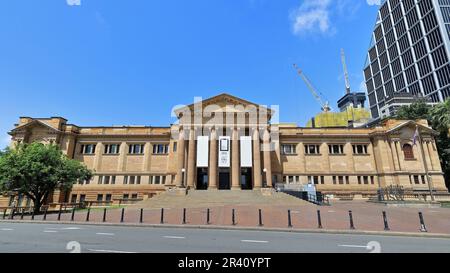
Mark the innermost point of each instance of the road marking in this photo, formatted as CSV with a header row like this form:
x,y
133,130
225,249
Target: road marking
x,y
110,251
353,246
331,211
254,241
105,234
50,231
72,228
6,229
174,237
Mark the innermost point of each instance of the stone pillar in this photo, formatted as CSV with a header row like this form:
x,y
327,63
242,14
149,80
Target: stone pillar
x,y
267,158
181,155
213,160
147,156
257,183
235,166
98,156
191,159
122,157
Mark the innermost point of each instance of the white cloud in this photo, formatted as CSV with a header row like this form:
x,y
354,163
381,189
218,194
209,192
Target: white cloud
x,y
320,16
373,2
312,16
73,2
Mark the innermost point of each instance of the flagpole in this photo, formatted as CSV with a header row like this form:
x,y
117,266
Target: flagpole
x,y
430,187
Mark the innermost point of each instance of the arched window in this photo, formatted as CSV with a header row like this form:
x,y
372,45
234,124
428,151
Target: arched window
x,y
408,151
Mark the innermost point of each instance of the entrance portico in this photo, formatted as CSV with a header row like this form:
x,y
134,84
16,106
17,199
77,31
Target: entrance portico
x,y
224,136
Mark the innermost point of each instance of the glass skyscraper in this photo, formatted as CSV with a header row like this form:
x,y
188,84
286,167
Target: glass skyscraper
x,y
408,55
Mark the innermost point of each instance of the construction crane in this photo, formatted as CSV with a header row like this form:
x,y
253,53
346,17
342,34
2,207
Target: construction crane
x,y
344,64
325,105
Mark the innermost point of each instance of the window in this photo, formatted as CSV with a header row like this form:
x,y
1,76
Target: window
x,y
126,196
125,180
312,149
106,180
360,149
288,149
134,196
99,197
112,149
416,180
88,149
108,198
100,180
175,146
160,149
408,151
73,199
82,198
132,180
136,149
336,149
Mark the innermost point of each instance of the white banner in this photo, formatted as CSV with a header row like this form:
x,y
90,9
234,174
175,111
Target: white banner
x,y
246,152
224,151
202,152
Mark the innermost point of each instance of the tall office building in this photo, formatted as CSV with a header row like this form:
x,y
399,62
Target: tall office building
x,y
408,55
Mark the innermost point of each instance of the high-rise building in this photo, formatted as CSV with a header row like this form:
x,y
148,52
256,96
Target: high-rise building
x,y
408,55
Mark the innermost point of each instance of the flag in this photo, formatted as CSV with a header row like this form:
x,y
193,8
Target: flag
x,y
416,136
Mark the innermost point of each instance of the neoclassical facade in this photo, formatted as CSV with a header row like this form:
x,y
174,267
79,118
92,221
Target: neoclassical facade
x,y
227,143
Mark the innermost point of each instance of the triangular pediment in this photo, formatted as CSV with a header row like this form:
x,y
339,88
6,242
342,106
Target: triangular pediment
x,y
32,125
223,103
408,128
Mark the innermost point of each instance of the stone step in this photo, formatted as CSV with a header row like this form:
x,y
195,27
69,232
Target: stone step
x,y
211,198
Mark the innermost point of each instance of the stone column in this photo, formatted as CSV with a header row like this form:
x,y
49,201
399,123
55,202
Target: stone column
x,y
191,159
213,160
235,166
257,183
181,155
147,156
267,158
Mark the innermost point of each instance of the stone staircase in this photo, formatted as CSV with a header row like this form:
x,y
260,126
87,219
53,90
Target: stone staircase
x,y
215,198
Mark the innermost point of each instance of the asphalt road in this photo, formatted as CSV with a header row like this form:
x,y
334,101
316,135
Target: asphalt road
x,y
54,238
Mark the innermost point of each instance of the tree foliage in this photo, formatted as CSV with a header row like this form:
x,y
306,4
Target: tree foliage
x,y
438,117
36,170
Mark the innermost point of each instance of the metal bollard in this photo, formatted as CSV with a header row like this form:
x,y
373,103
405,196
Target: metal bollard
x,y
88,214
32,215
289,219
11,215
4,214
385,220
104,215
59,213
162,216
260,218
184,216
122,216
233,217
22,214
141,216
350,215
319,219
207,216
423,228
72,217
45,214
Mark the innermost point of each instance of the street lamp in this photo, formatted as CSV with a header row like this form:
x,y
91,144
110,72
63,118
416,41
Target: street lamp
x,y
183,171
265,178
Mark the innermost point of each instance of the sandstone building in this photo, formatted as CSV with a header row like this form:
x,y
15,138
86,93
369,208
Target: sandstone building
x,y
203,152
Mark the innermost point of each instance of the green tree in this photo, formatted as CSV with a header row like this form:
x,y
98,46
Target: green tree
x,y
417,110
36,170
438,117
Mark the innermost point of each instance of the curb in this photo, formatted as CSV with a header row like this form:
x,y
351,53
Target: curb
x,y
236,228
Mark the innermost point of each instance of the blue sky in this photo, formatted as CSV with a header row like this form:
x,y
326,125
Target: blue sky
x,y
103,62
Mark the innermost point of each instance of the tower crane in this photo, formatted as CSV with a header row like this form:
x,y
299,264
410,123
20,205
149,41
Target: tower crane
x,y
325,105
347,80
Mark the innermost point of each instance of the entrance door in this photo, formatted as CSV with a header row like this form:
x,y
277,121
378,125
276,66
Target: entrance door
x,y
246,179
224,180
202,179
